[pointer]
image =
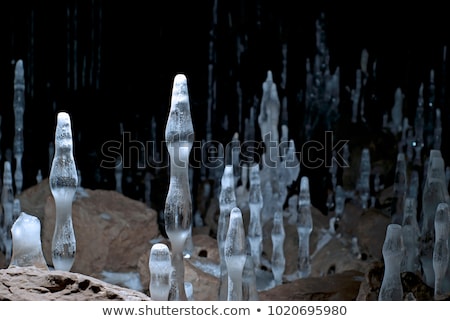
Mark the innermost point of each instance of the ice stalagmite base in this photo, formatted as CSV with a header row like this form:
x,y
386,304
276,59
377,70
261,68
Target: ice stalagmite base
x,y
160,265
26,241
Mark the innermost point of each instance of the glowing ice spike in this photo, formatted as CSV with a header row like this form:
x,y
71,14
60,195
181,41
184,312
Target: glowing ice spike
x,y
26,241
304,228
255,203
63,182
391,286
19,108
411,236
160,266
235,254
179,135
278,260
441,247
7,202
227,201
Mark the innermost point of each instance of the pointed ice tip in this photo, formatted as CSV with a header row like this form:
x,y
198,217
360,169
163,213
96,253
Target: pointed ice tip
x,y
236,211
304,183
6,167
19,68
179,85
269,75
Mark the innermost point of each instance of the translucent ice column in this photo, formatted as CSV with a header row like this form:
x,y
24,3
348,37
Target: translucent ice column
x,y
441,247
7,200
27,247
63,182
411,236
400,187
19,108
227,201
304,228
391,286
235,254
365,168
255,203
160,266
278,260
249,290
179,135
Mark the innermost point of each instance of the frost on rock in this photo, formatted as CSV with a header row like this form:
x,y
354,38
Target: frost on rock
x,y
63,182
26,241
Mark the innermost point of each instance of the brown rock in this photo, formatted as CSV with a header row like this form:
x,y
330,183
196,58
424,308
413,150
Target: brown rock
x,y
338,287
33,284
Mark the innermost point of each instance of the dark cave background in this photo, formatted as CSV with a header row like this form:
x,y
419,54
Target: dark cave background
x,y
111,63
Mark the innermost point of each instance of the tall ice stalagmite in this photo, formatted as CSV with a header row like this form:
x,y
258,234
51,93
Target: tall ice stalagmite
x,y
19,108
63,182
179,135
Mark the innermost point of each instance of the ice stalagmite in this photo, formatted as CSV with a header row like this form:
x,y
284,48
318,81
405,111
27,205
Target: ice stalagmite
x,y
19,108
391,286
339,201
179,135
160,265
7,202
419,123
227,201
411,236
434,193
63,180
26,241
249,289
304,228
235,254
365,168
400,187
255,203
278,260
441,247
